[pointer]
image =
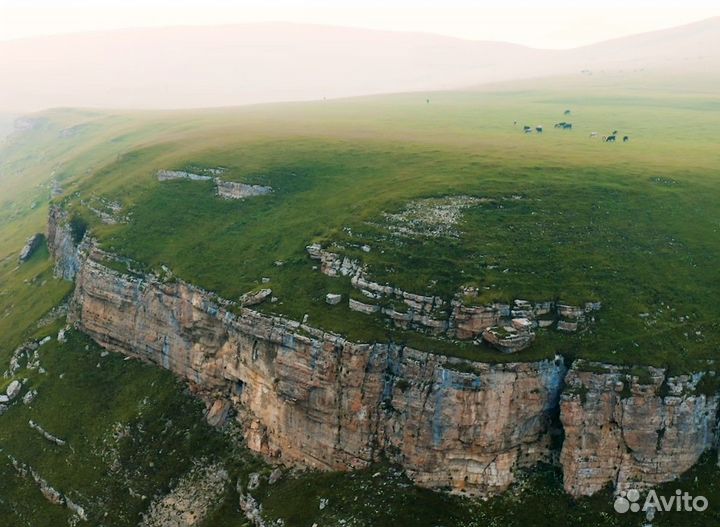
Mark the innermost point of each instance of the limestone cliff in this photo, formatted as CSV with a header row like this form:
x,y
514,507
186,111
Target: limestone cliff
x,y
61,244
632,429
313,398
309,397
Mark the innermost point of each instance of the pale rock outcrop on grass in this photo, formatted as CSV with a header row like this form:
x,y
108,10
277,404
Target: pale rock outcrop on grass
x,y
195,496
224,189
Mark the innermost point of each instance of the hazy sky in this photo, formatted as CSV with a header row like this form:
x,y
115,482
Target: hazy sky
x,y
558,24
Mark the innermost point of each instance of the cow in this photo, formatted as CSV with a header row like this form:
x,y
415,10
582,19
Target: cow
x,y
560,125
626,139
527,129
539,129
566,112
567,126
610,139
593,134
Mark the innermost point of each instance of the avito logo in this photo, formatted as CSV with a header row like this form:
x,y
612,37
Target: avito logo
x,y
680,502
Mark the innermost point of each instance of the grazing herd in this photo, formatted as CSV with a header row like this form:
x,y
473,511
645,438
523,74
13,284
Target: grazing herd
x,y
563,125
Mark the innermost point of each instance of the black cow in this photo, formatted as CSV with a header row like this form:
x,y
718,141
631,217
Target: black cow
x,y
610,139
567,126
626,139
539,129
566,112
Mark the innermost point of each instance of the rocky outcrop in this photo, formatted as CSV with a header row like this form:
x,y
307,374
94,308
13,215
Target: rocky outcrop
x,y
233,190
195,497
314,398
508,328
169,175
47,435
632,428
61,244
224,189
30,247
50,493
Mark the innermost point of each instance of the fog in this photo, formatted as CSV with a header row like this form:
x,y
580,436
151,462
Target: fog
x,y
184,67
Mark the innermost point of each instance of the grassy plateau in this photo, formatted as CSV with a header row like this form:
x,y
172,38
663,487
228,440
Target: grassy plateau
x,y
559,215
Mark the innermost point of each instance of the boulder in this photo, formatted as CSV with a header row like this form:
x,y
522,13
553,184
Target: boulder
x,y
218,413
251,299
507,341
29,397
253,481
333,298
233,190
13,390
275,476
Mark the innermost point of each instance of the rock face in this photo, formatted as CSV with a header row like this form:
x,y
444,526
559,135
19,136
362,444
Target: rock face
x,y
308,397
61,244
325,402
630,433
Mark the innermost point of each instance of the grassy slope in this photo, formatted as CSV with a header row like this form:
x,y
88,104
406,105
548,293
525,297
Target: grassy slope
x,y
82,397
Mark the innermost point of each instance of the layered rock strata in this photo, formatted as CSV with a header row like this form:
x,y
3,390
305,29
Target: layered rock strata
x,y
313,398
632,428
309,397
508,328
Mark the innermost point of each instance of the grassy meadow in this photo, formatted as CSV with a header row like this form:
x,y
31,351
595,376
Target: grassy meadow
x,y
632,225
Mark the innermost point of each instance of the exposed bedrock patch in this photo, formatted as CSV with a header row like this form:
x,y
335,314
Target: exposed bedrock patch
x,y
224,189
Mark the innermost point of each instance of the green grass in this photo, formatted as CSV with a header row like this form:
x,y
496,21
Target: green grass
x,y
381,496
631,225
85,399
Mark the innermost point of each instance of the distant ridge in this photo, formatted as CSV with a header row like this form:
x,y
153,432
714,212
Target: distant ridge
x,y
182,67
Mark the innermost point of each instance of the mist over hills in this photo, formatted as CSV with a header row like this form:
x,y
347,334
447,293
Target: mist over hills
x,y
181,67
